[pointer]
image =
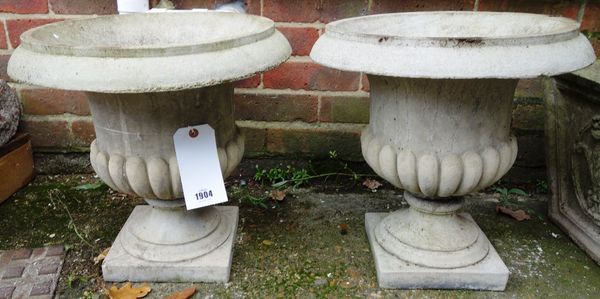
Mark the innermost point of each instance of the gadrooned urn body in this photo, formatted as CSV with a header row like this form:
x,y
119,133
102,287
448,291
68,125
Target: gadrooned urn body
x,y
148,75
441,89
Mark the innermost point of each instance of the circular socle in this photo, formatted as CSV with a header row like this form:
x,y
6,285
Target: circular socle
x,y
148,52
454,45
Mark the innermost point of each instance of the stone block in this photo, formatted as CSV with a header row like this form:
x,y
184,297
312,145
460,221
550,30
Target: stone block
x,y
212,267
392,273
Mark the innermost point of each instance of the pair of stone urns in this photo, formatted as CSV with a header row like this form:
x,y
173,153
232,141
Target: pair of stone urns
x,y
442,84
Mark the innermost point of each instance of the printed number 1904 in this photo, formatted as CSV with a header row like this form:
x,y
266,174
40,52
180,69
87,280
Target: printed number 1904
x,y
203,194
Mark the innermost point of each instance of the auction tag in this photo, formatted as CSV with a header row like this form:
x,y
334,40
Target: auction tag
x,y
199,167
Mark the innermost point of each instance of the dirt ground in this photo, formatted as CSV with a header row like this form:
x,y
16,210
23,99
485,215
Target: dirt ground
x,y
312,244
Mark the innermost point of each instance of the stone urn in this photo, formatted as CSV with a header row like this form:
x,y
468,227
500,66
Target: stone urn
x,y
442,86
147,75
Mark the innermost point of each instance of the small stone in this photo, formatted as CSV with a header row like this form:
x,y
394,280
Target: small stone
x,y
10,110
320,282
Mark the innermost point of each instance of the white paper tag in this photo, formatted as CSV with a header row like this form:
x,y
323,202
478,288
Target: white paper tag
x,y
199,167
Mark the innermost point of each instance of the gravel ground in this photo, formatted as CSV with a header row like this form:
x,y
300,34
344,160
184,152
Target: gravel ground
x,y
296,247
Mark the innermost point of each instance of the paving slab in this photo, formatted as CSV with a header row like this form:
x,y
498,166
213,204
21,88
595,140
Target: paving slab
x,y
30,273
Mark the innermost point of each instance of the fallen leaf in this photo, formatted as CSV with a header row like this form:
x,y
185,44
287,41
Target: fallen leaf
x,y
332,283
372,184
101,256
127,292
277,195
267,242
185,294
343,228
519,215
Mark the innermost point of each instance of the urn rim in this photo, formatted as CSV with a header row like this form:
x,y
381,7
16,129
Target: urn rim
x,y
132,55
454,45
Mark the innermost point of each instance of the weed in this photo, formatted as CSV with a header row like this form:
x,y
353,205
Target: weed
x,y
541,186
56,195
73,280
278,176
244,196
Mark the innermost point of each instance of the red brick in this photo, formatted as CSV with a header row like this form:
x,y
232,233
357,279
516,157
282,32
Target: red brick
x,y
310,76
596,45
254,141
83,132
45,101
314,141
313,10
3,43
365,83
13,272
47,133
252,6
21,254
24,6
17,27
55,250
3,65
387,6
99,7
251,82
344,109
263,107
48,269
591,17
302,39
41,288
563,8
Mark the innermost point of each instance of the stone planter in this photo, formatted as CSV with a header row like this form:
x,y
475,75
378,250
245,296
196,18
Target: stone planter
x,y
148,75
442,85
573,155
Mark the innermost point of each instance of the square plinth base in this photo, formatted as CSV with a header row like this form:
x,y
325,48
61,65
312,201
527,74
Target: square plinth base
x,y
393,273
212,267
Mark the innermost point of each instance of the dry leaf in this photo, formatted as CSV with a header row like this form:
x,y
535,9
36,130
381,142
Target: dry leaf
x,y
267,242
127,292
343,228
519,215
101,256
372,184
185,294
277,195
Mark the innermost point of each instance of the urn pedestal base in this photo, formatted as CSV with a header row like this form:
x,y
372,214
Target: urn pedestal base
x,y
393,273
213,266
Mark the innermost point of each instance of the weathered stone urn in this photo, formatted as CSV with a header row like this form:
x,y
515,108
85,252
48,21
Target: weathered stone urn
x,y
573,155
442,85
146,76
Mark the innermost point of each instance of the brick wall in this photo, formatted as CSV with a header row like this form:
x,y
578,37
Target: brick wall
x,y
298,109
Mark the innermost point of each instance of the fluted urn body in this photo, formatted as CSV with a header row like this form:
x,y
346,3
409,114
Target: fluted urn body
x,y
442,85
146,76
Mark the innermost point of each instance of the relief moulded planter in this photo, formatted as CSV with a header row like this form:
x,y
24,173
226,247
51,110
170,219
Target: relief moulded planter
x,y
573,155
147,75
442,86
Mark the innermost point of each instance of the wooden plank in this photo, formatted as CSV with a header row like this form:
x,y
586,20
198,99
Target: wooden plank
x,y
16,165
